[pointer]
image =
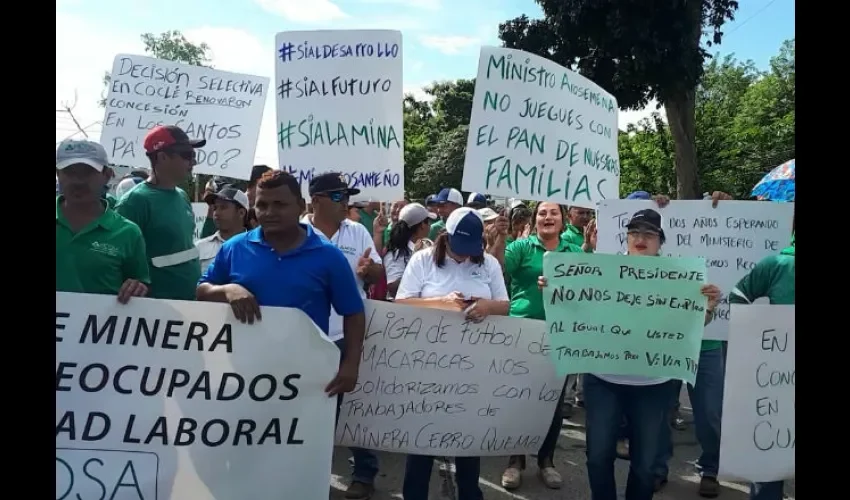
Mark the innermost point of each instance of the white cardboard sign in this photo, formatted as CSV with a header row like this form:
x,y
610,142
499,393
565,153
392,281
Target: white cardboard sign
x,y
539,131
432,384
177,400
759,428
732,238
200,210
222,107
339,108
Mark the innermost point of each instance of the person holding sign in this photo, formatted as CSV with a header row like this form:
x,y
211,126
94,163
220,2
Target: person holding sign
x,y
97,250
774,277
643,401
454,275
522,262
164,214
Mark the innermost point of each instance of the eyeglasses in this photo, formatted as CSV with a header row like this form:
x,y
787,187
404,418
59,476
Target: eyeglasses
x,y
645,234
335,196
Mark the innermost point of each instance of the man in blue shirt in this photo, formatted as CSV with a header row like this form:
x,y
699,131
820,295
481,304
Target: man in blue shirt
x,y
285,264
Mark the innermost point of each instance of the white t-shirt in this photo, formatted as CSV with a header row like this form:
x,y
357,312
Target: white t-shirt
x,y
208,248
394,263
423,279
352,238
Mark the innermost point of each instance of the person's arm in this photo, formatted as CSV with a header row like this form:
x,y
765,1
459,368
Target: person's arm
x,y
755,284
215,280
394,267
346,301
410,286
136,265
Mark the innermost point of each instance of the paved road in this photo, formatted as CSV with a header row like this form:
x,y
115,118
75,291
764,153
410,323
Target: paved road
x,y
570,461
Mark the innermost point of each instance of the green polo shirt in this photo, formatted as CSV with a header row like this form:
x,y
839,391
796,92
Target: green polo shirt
x,y
367,219
111,200
100,257
168,225
573,235
436,228
523,265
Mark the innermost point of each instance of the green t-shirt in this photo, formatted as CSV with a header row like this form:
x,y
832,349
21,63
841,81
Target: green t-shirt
x,y
773,277
208,228
573,235
436,228
523,265
101,256
111,200
386,235
367,219
168,224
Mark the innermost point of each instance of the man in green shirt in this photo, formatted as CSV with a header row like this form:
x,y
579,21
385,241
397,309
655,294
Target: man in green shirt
x,y
368,212
578,218
775,278
97,250
164,214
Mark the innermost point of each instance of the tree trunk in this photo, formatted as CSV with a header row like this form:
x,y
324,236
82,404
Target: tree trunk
x,y
681,110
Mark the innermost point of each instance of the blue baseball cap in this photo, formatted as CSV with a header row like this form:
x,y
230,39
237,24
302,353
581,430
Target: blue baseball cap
x,y
449,195
476,198
465,228
639,195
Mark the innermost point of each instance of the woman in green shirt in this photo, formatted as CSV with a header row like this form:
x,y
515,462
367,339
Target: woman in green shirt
x,y
522,262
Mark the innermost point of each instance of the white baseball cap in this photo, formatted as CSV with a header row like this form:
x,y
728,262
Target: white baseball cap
x,y
488,214
414,213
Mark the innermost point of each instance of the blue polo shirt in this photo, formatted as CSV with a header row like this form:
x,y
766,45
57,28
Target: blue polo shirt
x,y
312,277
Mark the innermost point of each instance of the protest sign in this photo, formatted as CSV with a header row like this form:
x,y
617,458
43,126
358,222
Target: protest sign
x,y
339,108
432,383
174,400
222,107
758,440
731,238
200,211
539,131
624,315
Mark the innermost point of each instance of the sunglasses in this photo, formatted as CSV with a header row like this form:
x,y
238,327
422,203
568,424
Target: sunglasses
x,y
335,196
643,233
186,154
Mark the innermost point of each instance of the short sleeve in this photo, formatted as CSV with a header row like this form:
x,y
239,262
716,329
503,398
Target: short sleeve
x,y
133,207
345,295
136,265
498,290
755,284
218,272
413,278
394,266
514,253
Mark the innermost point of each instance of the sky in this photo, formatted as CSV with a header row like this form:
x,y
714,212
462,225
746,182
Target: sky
x,y
441,40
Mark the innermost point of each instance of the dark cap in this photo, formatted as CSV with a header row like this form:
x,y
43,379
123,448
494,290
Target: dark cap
x,y
228,193
165,136
331,181
647,218
258,172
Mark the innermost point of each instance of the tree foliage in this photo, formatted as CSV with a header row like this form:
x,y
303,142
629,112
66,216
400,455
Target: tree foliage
x,y
636,50
745,126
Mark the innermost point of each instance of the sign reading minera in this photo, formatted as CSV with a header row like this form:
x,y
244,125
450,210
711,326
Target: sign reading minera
x,y
541,132
222,107
339,108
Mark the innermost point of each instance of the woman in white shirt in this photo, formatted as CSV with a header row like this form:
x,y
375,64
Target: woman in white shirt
x,y
643,401
413,225
456,275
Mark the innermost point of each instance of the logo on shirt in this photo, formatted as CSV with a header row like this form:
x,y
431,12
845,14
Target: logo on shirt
x,y
476,274
105,248
347,250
